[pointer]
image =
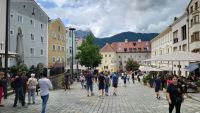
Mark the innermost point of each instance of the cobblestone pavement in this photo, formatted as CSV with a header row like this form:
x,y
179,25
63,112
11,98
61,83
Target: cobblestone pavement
x,y
135,98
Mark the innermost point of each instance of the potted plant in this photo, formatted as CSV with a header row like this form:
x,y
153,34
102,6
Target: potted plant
x,y
198,85
144,80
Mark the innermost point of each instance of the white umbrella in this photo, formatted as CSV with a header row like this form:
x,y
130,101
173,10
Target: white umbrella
x,y
20,47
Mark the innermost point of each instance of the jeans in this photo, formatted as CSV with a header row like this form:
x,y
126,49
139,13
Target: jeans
x,y
44,102
177,106
90,87
19,95
31,92
106,88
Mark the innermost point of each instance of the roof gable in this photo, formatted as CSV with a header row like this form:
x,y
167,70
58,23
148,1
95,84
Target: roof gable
x,y
107,48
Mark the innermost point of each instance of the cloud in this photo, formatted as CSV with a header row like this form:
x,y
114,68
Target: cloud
x,y
109,17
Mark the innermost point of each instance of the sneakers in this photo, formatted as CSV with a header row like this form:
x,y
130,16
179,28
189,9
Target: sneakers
x,y
114,94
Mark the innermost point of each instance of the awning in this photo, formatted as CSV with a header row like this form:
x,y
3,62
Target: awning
x,y
191,67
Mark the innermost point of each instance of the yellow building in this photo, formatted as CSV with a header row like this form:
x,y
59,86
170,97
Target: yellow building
x,y
56,43
109,60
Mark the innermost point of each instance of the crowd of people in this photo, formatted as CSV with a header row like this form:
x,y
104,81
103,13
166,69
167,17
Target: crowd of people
x,y
22,84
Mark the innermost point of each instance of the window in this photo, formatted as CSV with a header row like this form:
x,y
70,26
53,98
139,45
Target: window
x,y
59,28
1,45
24,6
33,11
11,16
11,33
109,55
32,23
105,55
32,36
63,59
59,37
134,44
191,22
42,39
175,36
58,48
32,51
53,35
54,47
41,25
53,59
191,9
19,19
196,5
184,34
41,52
63,49
58,59
196,19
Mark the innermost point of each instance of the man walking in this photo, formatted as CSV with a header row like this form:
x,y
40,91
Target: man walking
x,y
101,80
18,87
89,79
157,84
45,84
114,83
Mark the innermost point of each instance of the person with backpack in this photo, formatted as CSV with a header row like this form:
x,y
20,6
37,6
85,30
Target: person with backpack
x,y
101,81
115,83
82,79
32,83
107,84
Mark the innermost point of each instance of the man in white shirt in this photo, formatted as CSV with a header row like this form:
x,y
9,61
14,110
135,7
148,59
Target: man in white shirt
x,y
45,84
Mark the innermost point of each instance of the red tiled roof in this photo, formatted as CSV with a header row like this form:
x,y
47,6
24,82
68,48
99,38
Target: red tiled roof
x,y
107,48
131,46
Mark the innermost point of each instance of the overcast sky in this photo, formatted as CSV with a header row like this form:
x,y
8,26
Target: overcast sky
x,y
109,17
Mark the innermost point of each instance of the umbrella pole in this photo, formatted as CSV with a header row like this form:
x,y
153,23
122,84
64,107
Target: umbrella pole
x,y
172,67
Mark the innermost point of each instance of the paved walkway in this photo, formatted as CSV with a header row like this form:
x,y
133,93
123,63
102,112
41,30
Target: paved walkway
x,y
135,98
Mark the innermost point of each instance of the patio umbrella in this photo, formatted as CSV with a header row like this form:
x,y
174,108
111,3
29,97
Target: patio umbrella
x,y
20,47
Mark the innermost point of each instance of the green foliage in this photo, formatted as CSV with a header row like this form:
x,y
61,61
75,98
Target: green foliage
x,y
39,69
23,68
13,69
144,80
198,83
132,65
89,54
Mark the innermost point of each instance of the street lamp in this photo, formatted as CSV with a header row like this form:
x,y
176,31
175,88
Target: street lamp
x,y
72,32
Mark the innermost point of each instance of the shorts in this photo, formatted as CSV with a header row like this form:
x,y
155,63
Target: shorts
x,y
101,86
157,89
115,85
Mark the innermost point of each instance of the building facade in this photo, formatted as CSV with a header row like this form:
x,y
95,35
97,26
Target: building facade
x,y
56,44
116,58
180,41
193,11
29,21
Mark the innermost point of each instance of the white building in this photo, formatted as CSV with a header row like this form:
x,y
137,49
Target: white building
x,y
33,22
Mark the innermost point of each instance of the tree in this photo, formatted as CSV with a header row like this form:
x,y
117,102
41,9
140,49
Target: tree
x,y
89,54
132,65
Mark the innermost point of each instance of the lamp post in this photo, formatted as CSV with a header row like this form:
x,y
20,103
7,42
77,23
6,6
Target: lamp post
x,y
72,32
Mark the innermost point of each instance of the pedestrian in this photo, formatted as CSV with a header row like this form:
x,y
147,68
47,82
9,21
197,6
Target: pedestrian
x,y
45,85
101,82
82,79
1,88
24,80
67,80
89,81
115,83
157,84
32,83
133,77
17,82
174,95
107,84
138,77
124,78
128,77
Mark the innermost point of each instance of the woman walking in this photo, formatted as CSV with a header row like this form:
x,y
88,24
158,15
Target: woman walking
x,y
174,95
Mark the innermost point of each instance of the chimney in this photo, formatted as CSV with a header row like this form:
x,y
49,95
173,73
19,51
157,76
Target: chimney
x,y
175,18
126,40
139,40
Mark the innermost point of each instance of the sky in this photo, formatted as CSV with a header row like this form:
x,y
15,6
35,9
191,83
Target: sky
x,y
109,17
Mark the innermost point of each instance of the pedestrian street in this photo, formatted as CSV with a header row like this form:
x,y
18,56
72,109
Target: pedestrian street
x,y
135,98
